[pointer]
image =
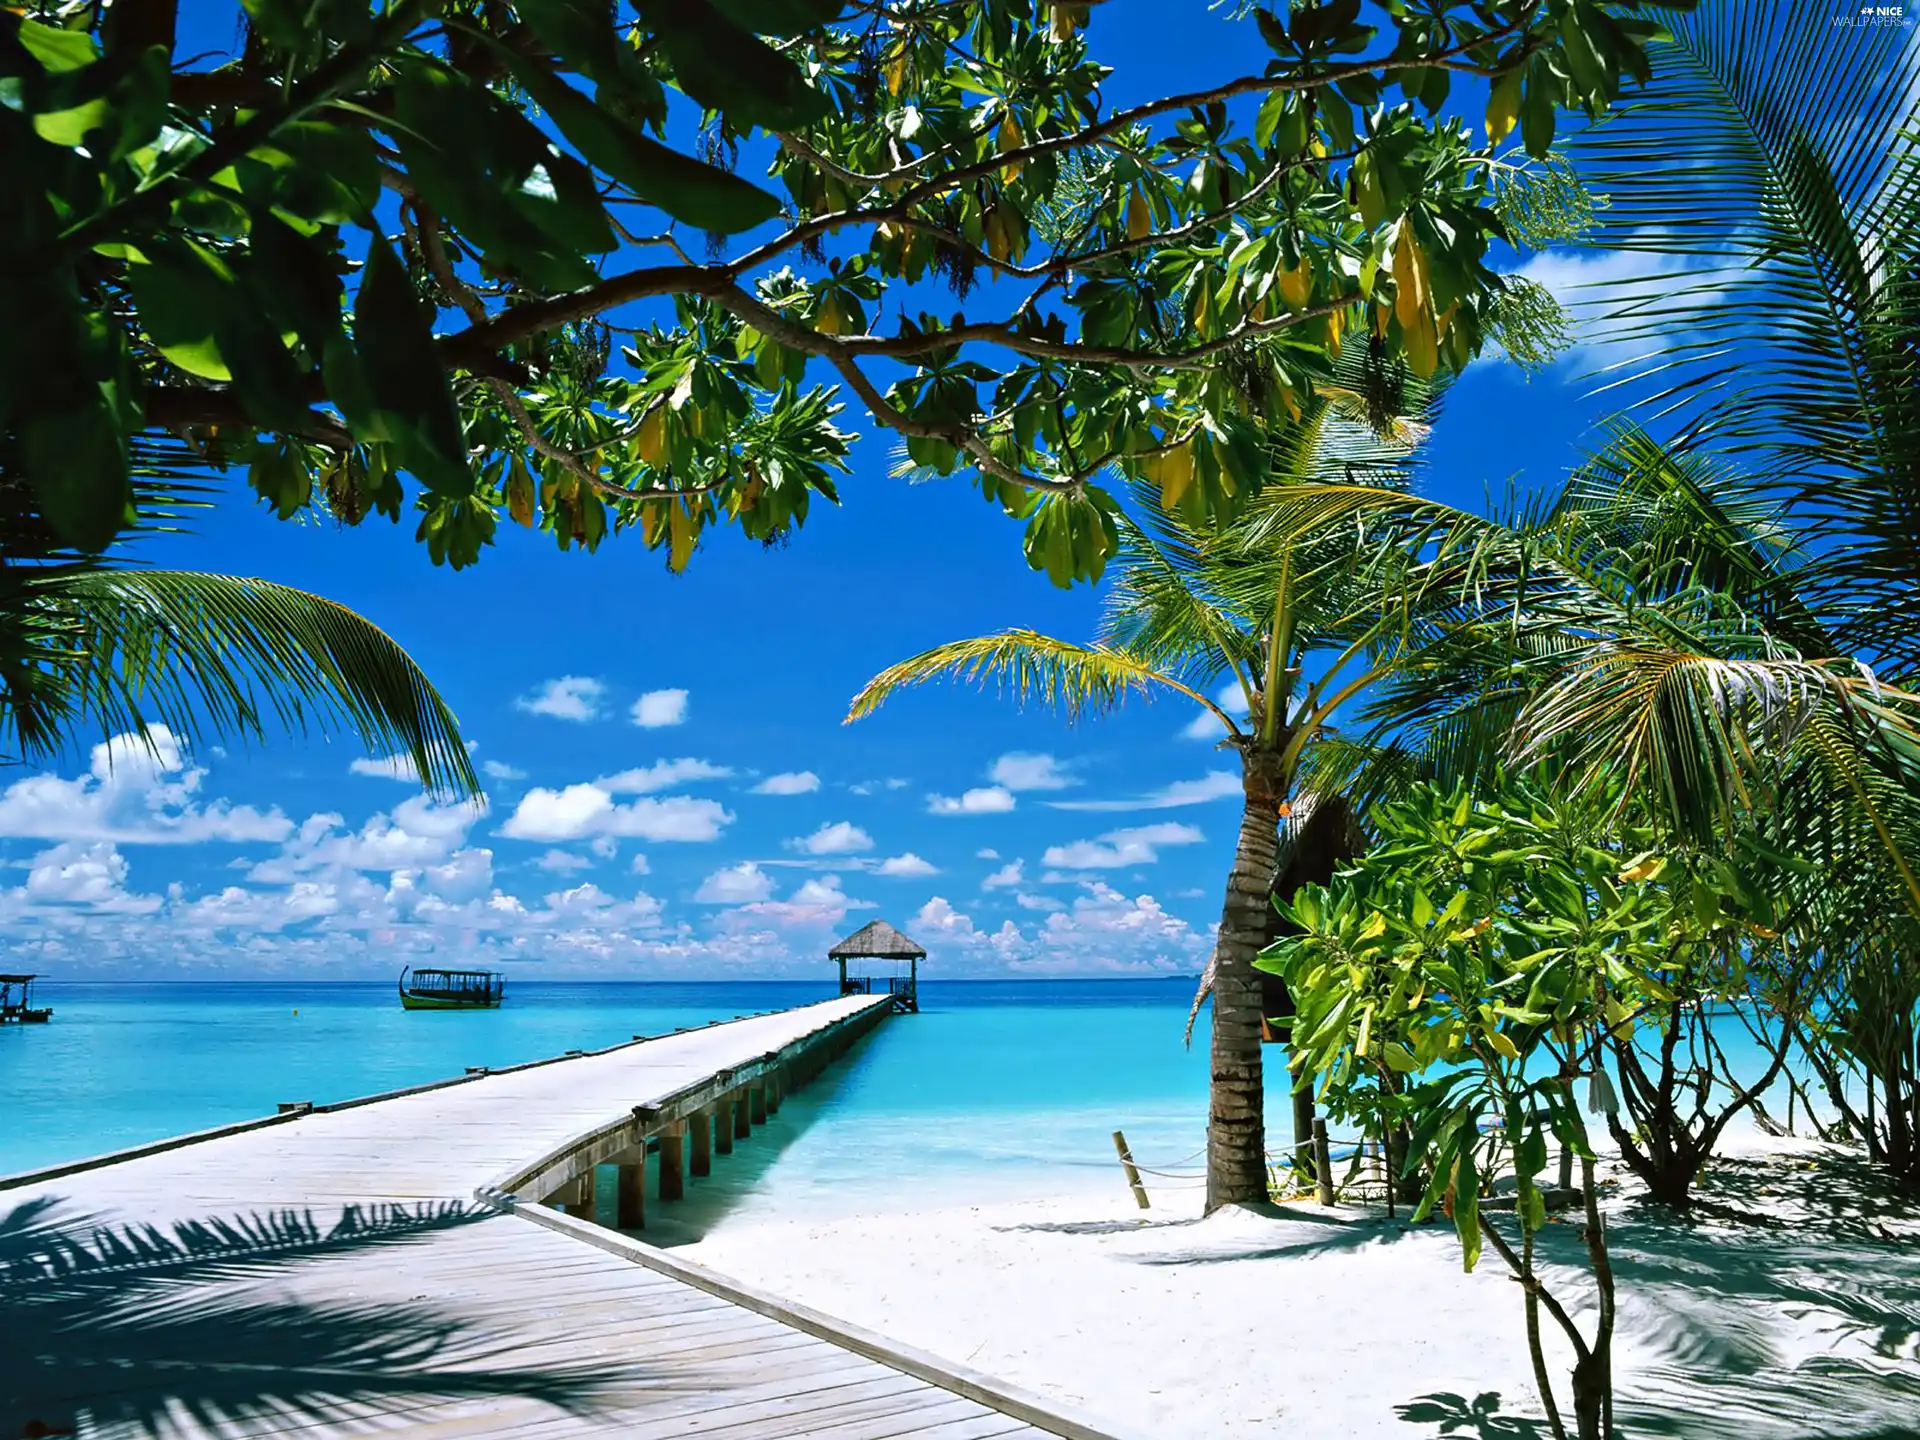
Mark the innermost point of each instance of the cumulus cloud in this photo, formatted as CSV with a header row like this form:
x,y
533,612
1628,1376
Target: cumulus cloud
x,y
1137,845
571,697
500,770
417,832
1206,725
840,838
735,885
906,866
93,876
1006,876
640,866
1019,770
986,800
817,902
580,812
563,862
135,792
790,782
1214,785
386,767
659,708
938,917
662,775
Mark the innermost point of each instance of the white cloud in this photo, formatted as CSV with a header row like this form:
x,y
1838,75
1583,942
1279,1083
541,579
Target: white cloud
x,y
1214,785
869,787
662,775
840,838
563,862
1575,278
1037,902
735,885
1138,845
791,782
640,866
1019,770
386,767
659,708
986,852
571,697
906,866
134,793
1206,725
92,876
415,833
500,770
817,902
1006,876
582,811
993,800
938,917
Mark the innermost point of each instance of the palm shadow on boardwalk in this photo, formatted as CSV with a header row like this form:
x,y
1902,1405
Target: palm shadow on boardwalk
x,y
140,1328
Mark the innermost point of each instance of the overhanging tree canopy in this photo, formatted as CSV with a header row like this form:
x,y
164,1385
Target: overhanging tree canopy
x,y
382,241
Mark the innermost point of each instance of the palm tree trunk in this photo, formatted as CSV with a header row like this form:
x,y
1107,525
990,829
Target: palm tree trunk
x,y
1236,1129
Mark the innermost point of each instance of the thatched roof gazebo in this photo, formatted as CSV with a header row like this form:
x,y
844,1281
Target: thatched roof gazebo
x,y
877,940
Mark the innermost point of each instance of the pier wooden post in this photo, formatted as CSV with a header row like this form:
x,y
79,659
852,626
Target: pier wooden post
x,y
1322,1161
757,1104
742,1118
701,1161
632,1192
773,1091
673,1182
723,1125
579,1201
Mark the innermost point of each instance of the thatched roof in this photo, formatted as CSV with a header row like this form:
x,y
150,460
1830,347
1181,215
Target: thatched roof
x,y
876,940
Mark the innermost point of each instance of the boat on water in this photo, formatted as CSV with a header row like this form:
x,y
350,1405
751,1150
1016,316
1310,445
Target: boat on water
x,y
451,989
16,1002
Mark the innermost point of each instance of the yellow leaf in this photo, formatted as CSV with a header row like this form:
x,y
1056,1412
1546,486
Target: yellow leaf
x,y
830,318
1413,304
896,66
1503,106
1644,867
653,521
683,531
1375,927
1010,139
1296,285
998,231
1139,215
651,438
1172,470
1502,1046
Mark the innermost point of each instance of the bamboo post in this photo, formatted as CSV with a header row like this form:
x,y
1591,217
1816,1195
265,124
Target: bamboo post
x,y
1133,1171
701,1162
1322,1161
632,1192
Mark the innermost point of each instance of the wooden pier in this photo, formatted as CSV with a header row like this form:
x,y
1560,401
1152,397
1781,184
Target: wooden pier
x,y
398,1264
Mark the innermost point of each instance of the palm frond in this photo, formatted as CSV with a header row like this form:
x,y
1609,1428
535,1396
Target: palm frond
x,y
93,649
1072,679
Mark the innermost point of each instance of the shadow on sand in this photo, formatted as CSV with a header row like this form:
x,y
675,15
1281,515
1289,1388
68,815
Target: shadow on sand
x,y
143,1328
1787,1308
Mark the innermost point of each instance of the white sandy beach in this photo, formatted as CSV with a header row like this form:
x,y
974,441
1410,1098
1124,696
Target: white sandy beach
x,y
1311,1322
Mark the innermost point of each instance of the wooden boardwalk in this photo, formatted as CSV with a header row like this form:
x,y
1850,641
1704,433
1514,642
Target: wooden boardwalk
x,y
386,1268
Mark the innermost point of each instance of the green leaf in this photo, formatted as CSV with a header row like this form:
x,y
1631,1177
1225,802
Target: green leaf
x,y
77,464
1466,1207
686,188
58,51
780,17
729,69
405,383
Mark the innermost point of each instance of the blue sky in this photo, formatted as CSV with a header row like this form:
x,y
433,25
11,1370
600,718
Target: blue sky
x,y
671,790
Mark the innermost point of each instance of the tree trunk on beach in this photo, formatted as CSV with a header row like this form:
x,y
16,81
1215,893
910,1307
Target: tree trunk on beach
x,y
1236,1128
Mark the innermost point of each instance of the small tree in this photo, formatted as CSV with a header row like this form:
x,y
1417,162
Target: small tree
x,y
1484,956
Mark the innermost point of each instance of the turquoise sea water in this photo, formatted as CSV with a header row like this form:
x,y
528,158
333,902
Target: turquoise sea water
x,y
1015,1085
996,1090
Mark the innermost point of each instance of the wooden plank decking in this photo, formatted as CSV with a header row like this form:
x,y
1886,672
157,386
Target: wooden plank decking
x,y
361,1270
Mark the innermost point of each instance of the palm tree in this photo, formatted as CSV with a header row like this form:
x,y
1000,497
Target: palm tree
x,y
95,645
1187,608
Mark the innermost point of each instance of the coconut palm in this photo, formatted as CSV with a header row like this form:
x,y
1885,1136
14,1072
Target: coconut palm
x,y
96,645
1188,608
1767,184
